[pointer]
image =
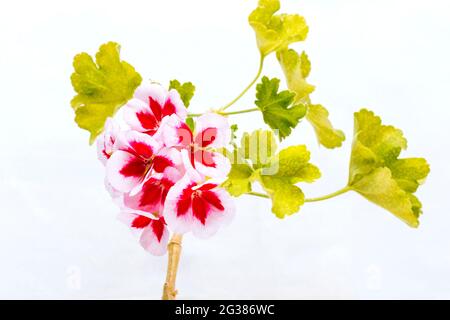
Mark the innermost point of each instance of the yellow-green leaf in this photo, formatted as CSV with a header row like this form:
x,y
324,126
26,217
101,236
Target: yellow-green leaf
x,y
275,32
380,188
286,197
377,173
327,135
293,164
102,87
239,179
278,174
296,69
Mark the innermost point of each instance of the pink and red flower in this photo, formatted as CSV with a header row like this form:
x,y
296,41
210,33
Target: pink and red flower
x,y
212,131
154,235
150,105
198,207
137,157
160,172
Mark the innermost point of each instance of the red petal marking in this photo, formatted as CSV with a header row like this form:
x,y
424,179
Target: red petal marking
x,y
135,167
112,140
156,108
205,157
169,108
141,149
160,163
212,199
192,155
184,134
147,120
166,184
206,137
184,202
207,186
106,154
154,191
140,222
151,193
199,208
158,227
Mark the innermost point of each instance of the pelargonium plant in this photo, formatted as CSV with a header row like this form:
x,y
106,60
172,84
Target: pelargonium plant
x,y
172,172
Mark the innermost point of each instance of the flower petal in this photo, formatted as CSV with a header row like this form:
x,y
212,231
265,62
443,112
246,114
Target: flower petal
x,y
177,208
106,141
155,238
212,164
175,133
124,171
174,101
151,197
138,116
213,130
216,216
193,174
137,143
154,90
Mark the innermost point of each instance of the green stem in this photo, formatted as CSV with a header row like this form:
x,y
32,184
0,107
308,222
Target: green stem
x,y
328,196
238,112
261,63
194,114
226,113
257,194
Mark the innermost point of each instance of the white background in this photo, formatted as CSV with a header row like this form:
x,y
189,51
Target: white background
x,y
59,237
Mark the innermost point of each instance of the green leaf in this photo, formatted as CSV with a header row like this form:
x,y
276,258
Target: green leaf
x,y
275,32
276,107
102,87
377,173
286,197
296,69
190,123
328,136
186,90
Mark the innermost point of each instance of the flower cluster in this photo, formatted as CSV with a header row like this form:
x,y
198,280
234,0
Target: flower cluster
x,y
164,174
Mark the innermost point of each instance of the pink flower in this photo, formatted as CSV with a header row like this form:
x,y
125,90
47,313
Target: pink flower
x,y
150,104
211,132
151,196
106,141
137,157
197,207
154,235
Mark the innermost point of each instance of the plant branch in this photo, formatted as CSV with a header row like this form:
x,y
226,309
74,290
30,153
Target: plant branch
x,y
257,194
258,74
329,196
325,197
222,113
238,112
174,252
